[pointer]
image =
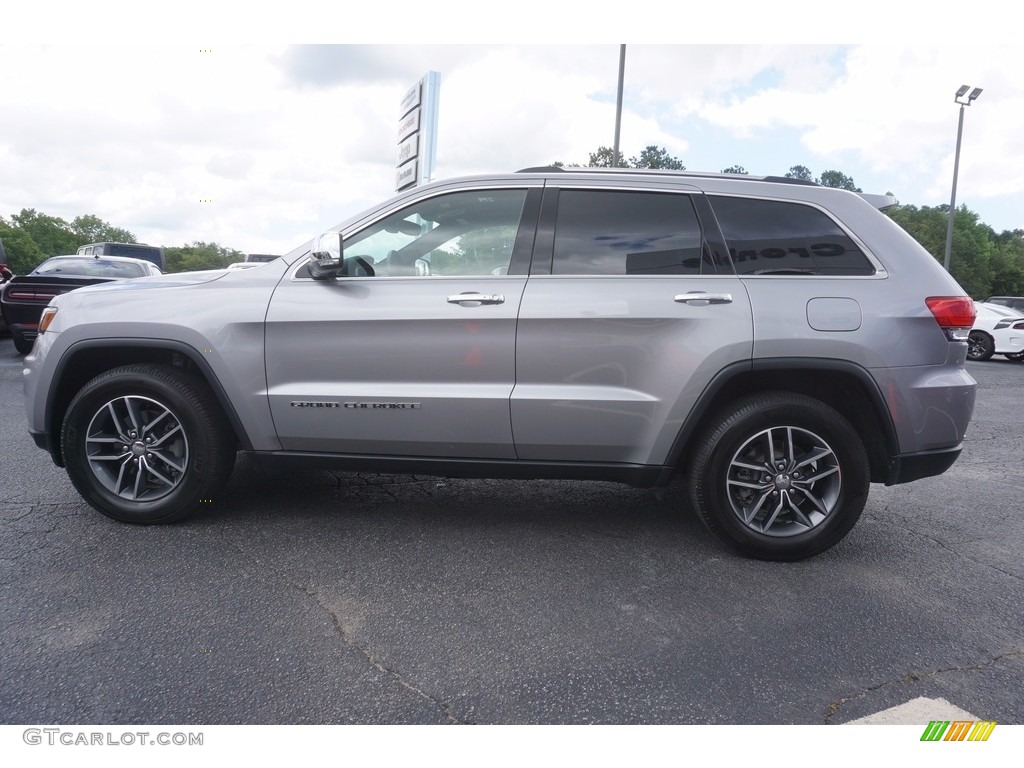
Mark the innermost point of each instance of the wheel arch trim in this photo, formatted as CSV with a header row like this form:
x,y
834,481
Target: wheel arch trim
x,y
206,372
730,374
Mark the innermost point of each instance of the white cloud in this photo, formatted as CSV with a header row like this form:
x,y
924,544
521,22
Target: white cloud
x,y
139,135
891,111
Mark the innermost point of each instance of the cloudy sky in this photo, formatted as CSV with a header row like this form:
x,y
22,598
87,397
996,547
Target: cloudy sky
x,y
253,138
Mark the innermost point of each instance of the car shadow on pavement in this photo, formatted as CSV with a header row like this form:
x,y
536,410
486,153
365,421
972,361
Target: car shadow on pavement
x,y
258,494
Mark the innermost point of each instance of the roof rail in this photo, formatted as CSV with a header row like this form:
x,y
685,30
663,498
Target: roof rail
x,y
668,172
791,180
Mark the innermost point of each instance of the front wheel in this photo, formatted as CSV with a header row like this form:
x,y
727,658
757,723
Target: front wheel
x,y
780,476
147,444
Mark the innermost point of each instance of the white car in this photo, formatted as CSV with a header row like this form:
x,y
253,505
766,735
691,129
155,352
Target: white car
x,y
997,330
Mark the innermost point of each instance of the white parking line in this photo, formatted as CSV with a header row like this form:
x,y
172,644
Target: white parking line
x,y
920,711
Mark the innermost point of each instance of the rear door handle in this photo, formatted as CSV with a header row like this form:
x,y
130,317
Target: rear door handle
x,y
476,298
701,299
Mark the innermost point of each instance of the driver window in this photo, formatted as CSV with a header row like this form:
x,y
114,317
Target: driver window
x,y
461,234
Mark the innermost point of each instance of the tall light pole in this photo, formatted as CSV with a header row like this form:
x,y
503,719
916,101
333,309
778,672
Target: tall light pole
x,y
956,162
618,105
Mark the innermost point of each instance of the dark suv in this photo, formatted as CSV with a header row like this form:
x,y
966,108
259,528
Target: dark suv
x,y
781,343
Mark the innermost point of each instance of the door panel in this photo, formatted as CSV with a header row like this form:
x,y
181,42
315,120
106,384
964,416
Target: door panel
x,y
638,308
391,367
608,368
416,357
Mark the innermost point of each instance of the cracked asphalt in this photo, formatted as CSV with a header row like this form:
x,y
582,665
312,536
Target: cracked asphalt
x,y
327,597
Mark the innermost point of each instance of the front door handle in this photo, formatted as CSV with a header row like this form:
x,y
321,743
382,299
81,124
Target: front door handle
x,y
476,298
701,299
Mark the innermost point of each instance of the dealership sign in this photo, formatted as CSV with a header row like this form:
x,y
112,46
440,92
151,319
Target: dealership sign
x,y
417,133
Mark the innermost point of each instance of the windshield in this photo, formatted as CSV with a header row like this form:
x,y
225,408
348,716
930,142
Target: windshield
x,y
89,267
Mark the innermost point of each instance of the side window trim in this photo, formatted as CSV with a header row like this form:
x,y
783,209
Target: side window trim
x,y
713,239
544,243
526,235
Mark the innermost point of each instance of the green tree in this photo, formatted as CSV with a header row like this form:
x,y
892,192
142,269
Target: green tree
x,y
838,180
737,169
974,262
51,234
973,249
652,156
602,158
801,172
926,225
198,256
1008,264
22,253
92,229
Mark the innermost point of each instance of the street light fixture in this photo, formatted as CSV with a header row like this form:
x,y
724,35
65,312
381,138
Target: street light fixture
x,y
956,162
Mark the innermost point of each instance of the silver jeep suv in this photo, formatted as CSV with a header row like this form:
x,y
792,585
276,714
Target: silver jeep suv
x,y
782,344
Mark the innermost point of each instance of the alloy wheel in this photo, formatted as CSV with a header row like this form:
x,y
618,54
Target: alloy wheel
x,y
784,481
137,448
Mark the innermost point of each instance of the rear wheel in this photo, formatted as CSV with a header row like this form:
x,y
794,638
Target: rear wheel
x,y
23,345
980,346
780,476
147,444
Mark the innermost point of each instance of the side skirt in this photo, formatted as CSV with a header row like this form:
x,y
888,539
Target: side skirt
x,y
638,475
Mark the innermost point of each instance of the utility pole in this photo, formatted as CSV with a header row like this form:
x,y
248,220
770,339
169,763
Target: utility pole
x,y
618,106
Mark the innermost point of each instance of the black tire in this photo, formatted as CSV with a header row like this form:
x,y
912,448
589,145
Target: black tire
x,y
147,444
1015,356
980,346
766,506
23,345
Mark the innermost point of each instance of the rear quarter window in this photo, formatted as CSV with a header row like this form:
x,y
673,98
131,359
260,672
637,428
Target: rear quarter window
x,y
767,237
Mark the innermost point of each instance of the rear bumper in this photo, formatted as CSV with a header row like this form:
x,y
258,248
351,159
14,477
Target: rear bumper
x,y
23,320
26,331
914,466
930,405
1010,345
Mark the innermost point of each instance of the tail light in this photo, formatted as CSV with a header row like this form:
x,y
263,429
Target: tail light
x,y
30,294
954,314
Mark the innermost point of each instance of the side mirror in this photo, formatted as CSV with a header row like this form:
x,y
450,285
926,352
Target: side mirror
x,y
326,262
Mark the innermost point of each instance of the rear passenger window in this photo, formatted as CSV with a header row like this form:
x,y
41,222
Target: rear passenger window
x,y
771,237
603,232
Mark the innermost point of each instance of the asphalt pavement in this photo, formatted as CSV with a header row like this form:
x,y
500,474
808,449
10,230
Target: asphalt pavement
x,y
330,597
